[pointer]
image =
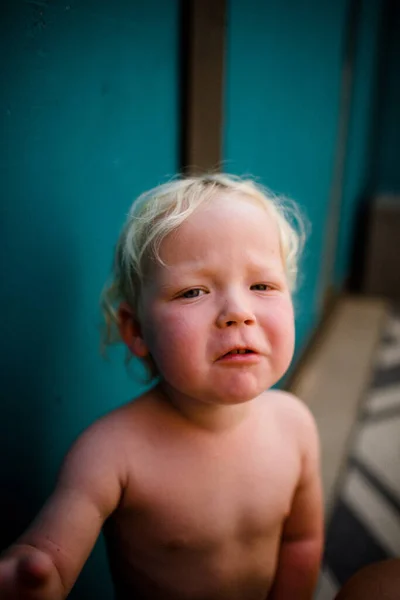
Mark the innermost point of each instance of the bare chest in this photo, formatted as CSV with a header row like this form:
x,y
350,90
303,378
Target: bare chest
x,y
204,499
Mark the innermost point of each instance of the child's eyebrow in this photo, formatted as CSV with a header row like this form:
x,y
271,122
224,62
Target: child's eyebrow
x,y
195,267
266,270
191,270
172,276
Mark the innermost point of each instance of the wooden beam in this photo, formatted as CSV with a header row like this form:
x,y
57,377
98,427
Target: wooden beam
x,y
202,83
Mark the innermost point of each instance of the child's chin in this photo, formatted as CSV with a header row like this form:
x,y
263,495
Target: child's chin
x,y
242,394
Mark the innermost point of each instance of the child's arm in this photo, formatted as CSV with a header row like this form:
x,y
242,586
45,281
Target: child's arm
x,y
46,560
302,537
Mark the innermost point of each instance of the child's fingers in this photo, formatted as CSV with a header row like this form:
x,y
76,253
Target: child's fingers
x,y
26,576
34,569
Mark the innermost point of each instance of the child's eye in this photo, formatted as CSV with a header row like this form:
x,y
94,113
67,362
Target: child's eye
x,y
261,287
194,293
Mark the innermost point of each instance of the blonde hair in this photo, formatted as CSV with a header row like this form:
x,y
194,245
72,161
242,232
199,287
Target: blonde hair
x,y
161,210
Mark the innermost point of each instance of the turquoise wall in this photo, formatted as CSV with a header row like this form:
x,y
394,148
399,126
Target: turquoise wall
x,y
284,63
88,119
361,149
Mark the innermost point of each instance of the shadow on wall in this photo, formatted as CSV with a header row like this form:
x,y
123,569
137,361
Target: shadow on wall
x,y
360,236
37,310
44,395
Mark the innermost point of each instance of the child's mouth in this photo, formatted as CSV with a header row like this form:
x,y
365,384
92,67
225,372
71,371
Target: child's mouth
x,y
239,355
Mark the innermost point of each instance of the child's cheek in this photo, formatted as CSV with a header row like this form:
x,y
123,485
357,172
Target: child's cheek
x,y
172,340
280,325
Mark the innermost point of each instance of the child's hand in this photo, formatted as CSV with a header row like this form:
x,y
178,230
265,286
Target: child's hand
x,y
29,574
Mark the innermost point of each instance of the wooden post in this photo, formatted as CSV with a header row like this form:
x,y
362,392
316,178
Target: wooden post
x,y
202,84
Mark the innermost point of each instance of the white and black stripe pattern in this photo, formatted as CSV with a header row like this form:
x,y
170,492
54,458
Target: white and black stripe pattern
x,y
365,523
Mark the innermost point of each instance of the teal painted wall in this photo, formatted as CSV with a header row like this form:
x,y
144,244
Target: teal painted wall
x,y
387,156
283,66
361,149
89,118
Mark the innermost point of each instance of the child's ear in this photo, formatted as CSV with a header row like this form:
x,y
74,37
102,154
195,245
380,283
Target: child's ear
x,y
130,331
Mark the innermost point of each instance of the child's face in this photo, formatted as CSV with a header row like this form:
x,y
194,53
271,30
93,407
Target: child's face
x,y
224,288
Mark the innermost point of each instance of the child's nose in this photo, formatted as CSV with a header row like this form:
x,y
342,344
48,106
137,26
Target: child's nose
x,y
235,313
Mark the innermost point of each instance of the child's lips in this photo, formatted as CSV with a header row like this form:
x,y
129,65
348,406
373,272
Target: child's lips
x,y
245,355
240,359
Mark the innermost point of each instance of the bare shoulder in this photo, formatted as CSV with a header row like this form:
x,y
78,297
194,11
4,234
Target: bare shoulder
x,y
292,412
287,403
135,418
101,447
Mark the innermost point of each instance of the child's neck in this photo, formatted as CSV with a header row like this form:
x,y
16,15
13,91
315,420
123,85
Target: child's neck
x,y
215,418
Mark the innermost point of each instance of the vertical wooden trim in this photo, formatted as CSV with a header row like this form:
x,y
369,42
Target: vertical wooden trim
x,y
202,79
336,192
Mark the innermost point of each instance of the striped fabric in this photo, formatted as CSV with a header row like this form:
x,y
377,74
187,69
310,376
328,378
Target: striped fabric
x,y
365,523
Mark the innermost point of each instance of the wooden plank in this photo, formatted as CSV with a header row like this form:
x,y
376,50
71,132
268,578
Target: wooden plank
x,y
202,82
334,378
